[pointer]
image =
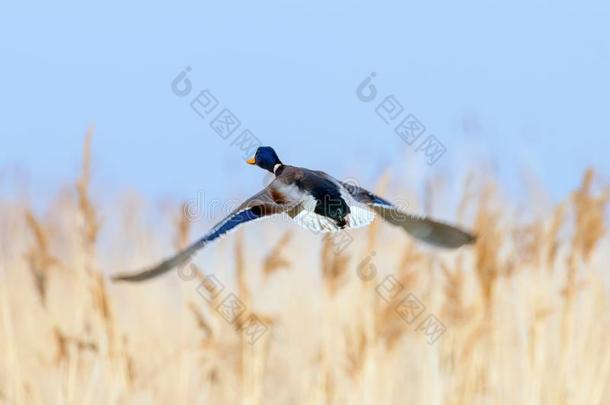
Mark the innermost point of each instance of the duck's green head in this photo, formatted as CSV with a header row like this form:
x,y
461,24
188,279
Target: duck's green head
x,y
266,158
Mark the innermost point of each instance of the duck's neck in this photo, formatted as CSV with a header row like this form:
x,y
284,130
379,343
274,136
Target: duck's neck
x,y
276,168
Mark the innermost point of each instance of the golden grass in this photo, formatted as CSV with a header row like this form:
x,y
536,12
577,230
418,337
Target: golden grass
x,y
526,310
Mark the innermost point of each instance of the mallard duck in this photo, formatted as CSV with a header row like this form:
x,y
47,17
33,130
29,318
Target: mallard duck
x,y
316,201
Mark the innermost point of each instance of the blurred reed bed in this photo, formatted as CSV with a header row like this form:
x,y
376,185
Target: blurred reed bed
x,y
526,310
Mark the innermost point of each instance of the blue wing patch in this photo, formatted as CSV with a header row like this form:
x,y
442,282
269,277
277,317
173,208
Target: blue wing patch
x,y
365,196
231,222
380,201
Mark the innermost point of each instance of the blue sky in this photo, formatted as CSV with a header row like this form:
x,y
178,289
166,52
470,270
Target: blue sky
x,y
513,85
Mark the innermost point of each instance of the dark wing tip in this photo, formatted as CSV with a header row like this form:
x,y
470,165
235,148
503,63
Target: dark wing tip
x,y
452,237
467,239
163,267
472,238
117,278
134,277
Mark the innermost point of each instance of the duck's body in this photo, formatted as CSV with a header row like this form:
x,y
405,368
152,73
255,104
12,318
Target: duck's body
x,y
318,202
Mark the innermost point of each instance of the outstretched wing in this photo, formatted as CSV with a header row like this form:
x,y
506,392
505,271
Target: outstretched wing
x,y
430,231
256,207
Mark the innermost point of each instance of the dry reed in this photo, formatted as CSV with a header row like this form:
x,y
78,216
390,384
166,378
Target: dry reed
x,y
514,334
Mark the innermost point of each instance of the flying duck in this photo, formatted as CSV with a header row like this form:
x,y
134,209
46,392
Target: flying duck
x,y
316,201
